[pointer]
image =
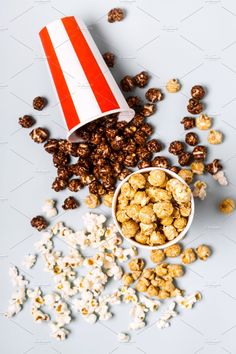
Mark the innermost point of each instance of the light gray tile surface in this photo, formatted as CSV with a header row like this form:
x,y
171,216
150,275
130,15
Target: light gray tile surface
x,y
192,40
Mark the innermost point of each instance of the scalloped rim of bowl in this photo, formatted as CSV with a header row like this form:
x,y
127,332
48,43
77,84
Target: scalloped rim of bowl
x,y
135,243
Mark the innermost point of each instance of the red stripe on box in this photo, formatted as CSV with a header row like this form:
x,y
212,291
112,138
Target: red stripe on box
x,y
97,81
67,104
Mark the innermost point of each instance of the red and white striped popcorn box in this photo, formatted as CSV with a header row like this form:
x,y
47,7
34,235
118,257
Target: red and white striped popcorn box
x,y
84,84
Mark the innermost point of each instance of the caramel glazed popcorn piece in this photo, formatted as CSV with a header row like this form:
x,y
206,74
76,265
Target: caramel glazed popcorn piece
x,y
153,208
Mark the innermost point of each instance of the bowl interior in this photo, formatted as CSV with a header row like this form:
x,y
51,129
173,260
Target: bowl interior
x,y
167,244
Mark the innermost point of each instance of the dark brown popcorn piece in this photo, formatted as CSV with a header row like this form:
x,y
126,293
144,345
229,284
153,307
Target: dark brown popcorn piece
x,y
78,169
175,169
111,120
73,150
200,152
117,168
59,184
108,182
154,95
103,150
64,146
39,135
117,157
64,172
118,142
105,169
194,106
124,173
130,131
144,164
197,92
140,137
39,223
51,146
188,122
111,133
26,121
96,138
185,158
121,125
87,178
83,134
95,186
60,159
75,185
115,14
133,101
141,79
100,162
154,145
148,109
109,59
160,161
214,167
70,203
143,153
176,147
137,120
131,160
191,139
83,150
127,83
39,103
146,128
84,162
130,147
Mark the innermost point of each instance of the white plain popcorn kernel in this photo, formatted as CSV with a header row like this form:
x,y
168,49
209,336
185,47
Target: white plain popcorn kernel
x,y
49,208
91,319
59,333
29,261
221,178
19,296
164,320
123,337
151,304
188,301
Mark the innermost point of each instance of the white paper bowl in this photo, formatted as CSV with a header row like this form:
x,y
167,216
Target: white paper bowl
x,y
135,243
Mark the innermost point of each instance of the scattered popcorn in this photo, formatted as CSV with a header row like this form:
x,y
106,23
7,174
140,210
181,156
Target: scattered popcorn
x,y
197,167
29,261
151,304
92,201
227,206
203,122
203,252
37,299
49,208
221,178
189,301
19,296
123,337
199,190
173,86
214,137
91,319
39,316
58,333
164,320
87,287
138,312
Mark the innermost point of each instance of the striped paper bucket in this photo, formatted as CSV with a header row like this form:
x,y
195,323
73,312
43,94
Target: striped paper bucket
x,y
84,84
